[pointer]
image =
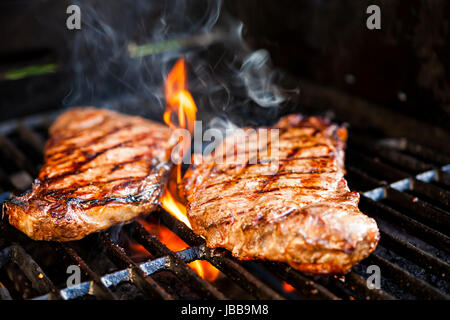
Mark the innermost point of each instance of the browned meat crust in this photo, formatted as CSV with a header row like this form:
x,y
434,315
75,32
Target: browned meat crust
x,y
101,168
303,215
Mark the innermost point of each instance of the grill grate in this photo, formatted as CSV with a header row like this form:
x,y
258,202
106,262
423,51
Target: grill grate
x,y
403,185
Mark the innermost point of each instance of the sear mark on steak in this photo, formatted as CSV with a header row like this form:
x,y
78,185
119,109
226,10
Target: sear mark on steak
x,y
304,214
101,168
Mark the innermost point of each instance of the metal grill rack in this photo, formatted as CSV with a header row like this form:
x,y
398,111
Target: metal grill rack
x,y
403,185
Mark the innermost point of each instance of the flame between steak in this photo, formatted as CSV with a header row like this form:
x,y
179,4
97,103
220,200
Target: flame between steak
x,y
181,106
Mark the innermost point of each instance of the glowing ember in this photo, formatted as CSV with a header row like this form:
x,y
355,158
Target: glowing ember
x,y
181,106
287,287
137,251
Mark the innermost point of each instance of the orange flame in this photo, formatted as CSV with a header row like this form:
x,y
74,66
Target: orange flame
x,y
137,251
179,102
174,208
287,287
203,268
181,105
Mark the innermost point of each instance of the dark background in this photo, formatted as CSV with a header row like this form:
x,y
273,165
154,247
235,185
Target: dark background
x,y
326,41
325,45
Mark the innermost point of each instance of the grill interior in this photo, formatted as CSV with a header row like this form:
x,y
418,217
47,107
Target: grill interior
x,y
404,185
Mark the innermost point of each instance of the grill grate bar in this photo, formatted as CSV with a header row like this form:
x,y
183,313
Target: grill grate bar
x,y
39,280
431,191
241,276
31,137
230,268
177,265
354,286
378,209
391,155
39,120
146,284
358,284
124,275
405,279
179,229
97,287
27,134
17,156
377,168
416,149
306,286
413,253
364,177
419,208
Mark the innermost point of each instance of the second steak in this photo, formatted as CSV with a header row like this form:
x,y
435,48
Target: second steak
x,y
304,214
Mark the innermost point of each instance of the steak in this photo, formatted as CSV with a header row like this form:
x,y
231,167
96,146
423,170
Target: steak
x,y
100,168
303,214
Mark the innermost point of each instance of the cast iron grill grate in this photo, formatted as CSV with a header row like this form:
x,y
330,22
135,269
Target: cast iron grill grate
x,y
403,185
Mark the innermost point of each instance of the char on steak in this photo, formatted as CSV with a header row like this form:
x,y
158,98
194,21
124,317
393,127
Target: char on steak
x,y
303,214
101,168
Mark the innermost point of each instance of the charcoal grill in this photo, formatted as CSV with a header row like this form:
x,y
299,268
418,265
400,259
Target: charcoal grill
x,y
404,185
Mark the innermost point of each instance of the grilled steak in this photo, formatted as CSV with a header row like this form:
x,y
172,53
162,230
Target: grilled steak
x,y
303,215
101,168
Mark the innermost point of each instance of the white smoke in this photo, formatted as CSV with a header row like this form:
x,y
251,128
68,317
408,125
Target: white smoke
x,y
110,71
258,77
